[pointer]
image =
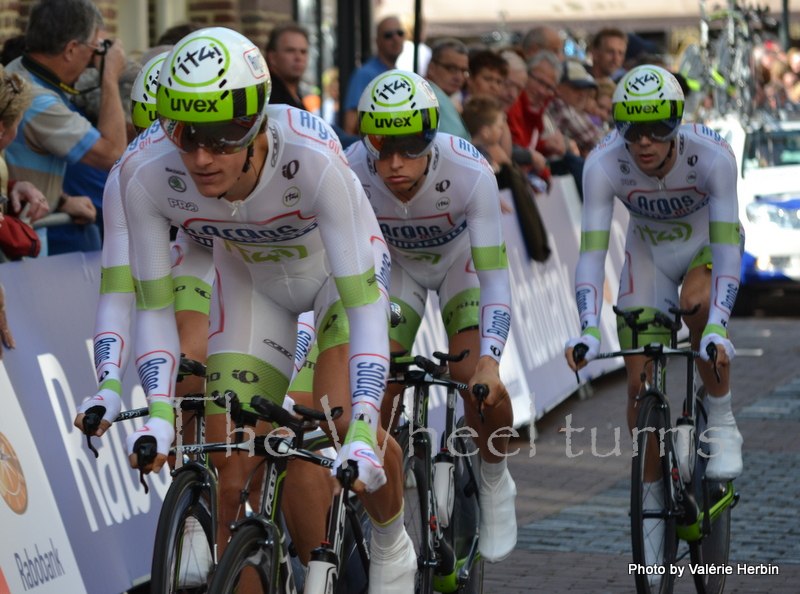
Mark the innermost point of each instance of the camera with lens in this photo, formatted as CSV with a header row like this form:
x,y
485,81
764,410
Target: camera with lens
x,y
104,45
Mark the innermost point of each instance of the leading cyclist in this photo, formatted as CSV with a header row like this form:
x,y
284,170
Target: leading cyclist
x,y
678,183
269,188
437,201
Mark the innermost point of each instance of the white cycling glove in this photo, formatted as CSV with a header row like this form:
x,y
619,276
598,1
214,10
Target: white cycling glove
x,y
716,339
162,430
359,448
108,400
590,341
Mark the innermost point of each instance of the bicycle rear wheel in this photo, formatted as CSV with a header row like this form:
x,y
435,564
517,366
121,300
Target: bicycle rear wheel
x,y
653,527
714,548
416,514
184,541
247,557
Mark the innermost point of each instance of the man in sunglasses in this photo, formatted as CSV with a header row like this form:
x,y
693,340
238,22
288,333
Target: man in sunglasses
x,y
389,45
292,231
678,183
63,38
437,203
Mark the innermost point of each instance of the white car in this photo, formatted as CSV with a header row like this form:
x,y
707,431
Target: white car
x,y
768,157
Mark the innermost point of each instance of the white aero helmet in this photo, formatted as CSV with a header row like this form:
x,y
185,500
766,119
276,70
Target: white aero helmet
x,y
213,91
143,93
398,113
648,101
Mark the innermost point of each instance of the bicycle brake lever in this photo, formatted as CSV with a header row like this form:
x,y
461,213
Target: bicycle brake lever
x,y
91,421
146,451
481,392
711,350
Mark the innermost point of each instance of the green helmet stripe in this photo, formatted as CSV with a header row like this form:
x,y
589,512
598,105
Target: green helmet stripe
x,y
647,111
399,122
214,106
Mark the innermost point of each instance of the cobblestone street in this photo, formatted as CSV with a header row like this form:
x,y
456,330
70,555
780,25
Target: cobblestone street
x,y
574,533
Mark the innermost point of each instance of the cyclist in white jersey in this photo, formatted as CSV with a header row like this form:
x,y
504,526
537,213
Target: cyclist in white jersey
x,y
678,183
437,203
192,277
192,271
269,188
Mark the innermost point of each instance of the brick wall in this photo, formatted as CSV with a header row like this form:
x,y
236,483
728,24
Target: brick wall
x,y
14,16
253,18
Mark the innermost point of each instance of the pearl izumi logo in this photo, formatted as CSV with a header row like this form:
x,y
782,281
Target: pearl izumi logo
x,y
13,488
200,61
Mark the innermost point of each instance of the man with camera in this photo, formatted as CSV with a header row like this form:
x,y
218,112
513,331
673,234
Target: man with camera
x,y
64,37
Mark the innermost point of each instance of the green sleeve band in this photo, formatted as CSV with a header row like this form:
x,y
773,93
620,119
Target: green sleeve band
x,y
154,294
359,289
594,240
192,294
714,329
490,258
724,233
116,279
162,410
360,431
113,385
592,331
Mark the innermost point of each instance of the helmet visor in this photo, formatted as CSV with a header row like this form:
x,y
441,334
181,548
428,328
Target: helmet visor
x,y
659,131
412,146
221,138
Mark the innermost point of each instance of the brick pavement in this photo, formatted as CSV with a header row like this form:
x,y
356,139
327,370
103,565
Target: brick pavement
x,y
572,512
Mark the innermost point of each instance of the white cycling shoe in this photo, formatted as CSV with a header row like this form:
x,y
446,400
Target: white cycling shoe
x,y
392,570
498,518
195,556
725,464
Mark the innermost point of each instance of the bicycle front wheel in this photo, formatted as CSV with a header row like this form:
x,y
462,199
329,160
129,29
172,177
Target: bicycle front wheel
x,y
653,527
247,560
714,548
416,513
182,556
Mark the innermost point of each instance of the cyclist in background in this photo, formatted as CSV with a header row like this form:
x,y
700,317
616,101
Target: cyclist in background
x,y
267,187
437,203
678,183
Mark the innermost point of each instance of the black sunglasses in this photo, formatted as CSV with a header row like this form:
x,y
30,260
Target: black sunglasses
x,y
14,92
393,32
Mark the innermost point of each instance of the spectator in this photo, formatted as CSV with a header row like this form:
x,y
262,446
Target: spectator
x,y
448,71
608,53
543,38
598,106
568,109
389,43
84,180
287,58
63,38
526,118
15,98
516,78
486,122
487,74
792,56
